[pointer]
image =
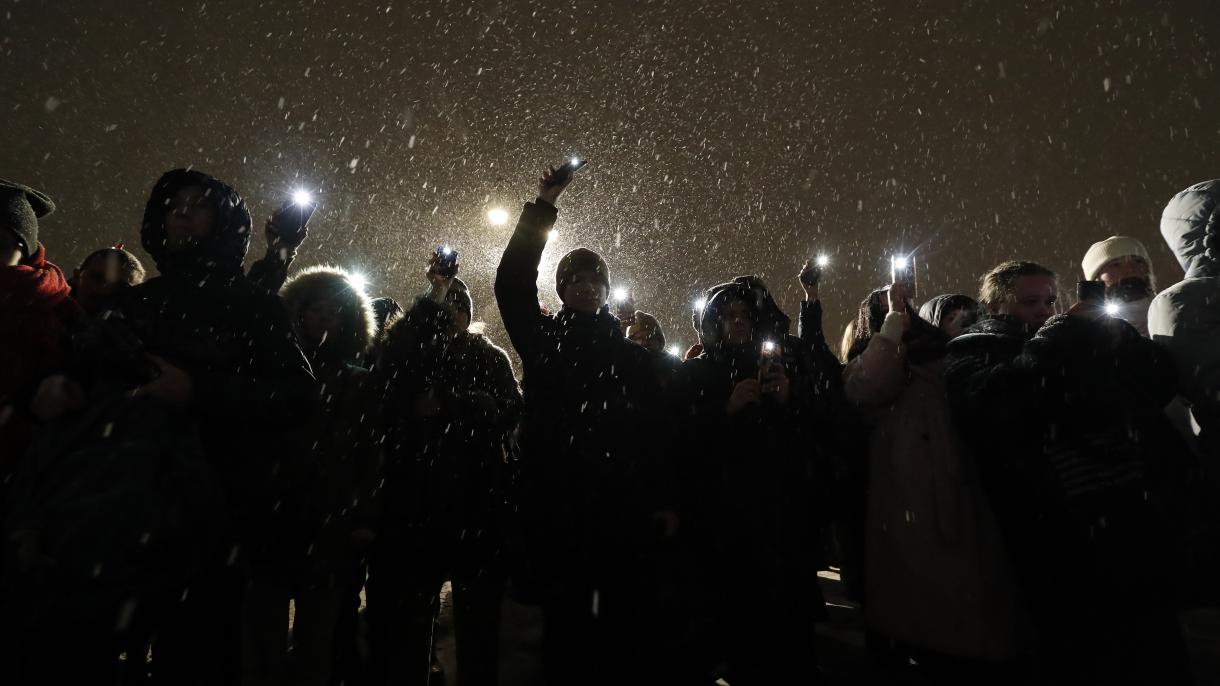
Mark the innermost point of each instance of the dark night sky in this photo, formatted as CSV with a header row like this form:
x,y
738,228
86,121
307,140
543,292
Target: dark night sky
x,y
726,137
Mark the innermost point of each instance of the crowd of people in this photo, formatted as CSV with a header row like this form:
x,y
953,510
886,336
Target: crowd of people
x,y
1014,496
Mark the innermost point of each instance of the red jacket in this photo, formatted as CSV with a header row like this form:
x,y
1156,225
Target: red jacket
x,y
35,314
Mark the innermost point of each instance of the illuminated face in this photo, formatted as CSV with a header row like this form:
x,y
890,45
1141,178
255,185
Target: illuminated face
x,y
737,323
189,217
1032,301
585,292
1127,267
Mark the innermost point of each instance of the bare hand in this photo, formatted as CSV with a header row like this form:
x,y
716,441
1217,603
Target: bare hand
x,y
774,381
899,300
173,386
440,283
57,396
549,191
746,392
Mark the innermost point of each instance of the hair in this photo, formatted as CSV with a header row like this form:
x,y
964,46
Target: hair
x,y
998,285
868,321
129,265
849,337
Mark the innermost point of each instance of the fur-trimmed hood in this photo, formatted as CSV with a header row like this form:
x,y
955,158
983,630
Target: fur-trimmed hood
x,y
359,325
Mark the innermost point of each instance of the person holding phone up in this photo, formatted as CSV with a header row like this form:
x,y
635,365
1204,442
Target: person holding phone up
x,y
589,497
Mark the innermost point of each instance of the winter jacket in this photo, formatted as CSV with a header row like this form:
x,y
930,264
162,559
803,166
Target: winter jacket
x,y
407,367
36,314
1069,433
752,482
938,574
336,476
252,386
1185,318
588,460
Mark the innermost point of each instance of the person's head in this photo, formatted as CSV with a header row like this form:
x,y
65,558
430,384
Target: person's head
x,y
193,219
646,332
736,322
1024,290
582,280
190,217
953,314
20,209
1118,259
331,314
461,307
104,273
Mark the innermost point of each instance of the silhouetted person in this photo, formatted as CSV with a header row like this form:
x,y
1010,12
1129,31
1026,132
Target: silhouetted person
x,y
587,488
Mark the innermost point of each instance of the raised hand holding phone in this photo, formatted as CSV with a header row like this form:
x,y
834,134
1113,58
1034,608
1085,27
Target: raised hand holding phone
x,y
554,181
288,225
811,275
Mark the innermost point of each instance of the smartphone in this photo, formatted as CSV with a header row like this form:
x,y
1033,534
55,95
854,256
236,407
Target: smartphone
x,y
566,170
446,261
1091,292
768,357
292,218
902,270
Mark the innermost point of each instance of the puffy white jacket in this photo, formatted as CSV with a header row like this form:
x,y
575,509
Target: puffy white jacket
x,y
1185,317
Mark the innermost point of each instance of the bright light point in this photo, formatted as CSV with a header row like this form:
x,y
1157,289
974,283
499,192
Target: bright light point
x,y
497,216
302,197
620,295
359,281
446,250
552,234
899,262
675,351
700,304
769,347
575,161
823,260
1112,309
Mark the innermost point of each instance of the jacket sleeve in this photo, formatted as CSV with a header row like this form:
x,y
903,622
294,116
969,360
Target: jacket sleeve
x,y
1189,333
516,285
271,272
875,378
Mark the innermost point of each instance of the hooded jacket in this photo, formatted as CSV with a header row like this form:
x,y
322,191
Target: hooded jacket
x,y
752,482
935,309
1185,318
336,477
251,383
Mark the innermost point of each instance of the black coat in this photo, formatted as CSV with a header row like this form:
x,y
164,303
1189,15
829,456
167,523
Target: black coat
x,y
252,385
589,461
753,483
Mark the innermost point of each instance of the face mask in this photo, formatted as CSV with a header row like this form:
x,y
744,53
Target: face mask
x,y
1136,313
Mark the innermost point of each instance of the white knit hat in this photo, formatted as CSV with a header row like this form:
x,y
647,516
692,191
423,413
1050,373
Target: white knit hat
x,y
1112,248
